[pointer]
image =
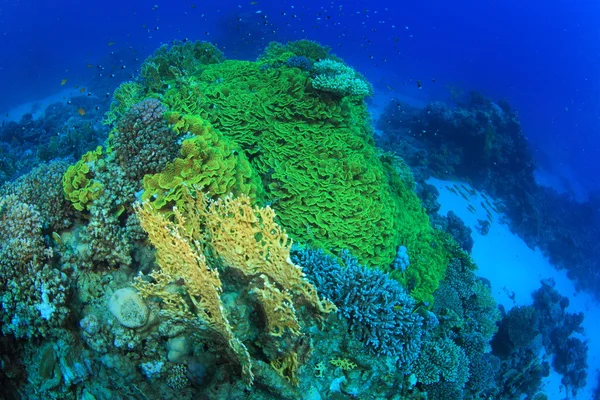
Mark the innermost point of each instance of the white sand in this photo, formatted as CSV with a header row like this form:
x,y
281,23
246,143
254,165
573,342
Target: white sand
x,y
513,268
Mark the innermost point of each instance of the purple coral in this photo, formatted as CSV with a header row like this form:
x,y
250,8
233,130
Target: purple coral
x,y
143,140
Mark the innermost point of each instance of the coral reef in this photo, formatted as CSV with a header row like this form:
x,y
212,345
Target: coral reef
x,y
313,153
244,239
160,265
481,141
59,132
42,188
379,311
33,293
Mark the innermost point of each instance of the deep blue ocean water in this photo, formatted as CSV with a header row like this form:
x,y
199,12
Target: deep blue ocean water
x,y
544,57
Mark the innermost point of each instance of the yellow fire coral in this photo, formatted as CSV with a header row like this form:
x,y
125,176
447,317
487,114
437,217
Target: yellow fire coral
x,y
250,240
245,238
181,259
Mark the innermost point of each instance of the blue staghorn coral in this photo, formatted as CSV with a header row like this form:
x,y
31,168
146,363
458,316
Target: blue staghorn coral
x,y
380,312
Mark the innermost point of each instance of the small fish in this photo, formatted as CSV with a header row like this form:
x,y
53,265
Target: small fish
x,y
111,43
82,90
90,66
57,238
81,111
253,2
64,82
419,85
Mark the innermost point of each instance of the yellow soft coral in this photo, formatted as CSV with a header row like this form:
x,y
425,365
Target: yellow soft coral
x,y
249,240
181,260
244,238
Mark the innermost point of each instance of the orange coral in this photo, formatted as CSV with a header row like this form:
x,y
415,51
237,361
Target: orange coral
x,y
279,309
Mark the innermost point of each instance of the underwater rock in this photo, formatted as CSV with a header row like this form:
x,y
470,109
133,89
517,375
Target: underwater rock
x,y
128,307
178,348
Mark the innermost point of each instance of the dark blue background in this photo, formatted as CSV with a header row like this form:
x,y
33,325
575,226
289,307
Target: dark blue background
x,y
543,56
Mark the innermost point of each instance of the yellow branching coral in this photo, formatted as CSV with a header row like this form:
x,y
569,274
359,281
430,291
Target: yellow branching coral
x,y
249,239
279,309
244,238
181,260
344,363
287,367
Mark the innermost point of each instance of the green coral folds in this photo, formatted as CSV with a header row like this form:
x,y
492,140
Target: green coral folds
x,y
125,96
79,185
207,162
314,153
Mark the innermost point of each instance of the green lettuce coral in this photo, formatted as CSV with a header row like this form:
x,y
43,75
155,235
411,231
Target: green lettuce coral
x,y
79,185
207,162
313,151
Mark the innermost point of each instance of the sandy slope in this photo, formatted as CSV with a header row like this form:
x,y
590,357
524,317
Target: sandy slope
x,y
515,272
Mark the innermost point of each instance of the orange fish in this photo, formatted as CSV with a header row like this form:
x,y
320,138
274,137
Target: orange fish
x,y
81,111
82,90
63,82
